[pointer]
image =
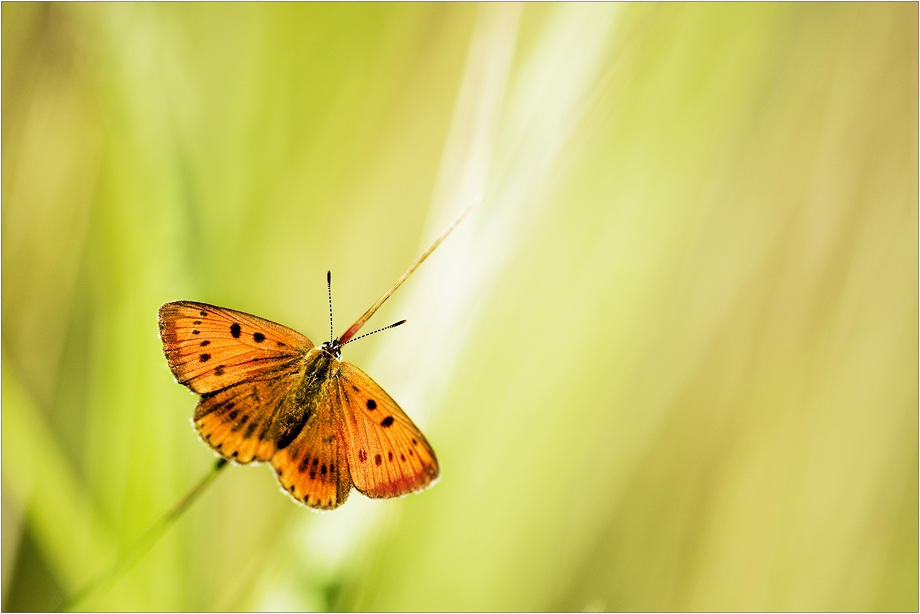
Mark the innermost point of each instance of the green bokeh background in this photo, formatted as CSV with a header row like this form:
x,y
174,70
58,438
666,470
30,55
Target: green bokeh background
x,y
670,362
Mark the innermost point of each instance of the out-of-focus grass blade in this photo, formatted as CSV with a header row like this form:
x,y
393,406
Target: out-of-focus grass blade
x,y
40,480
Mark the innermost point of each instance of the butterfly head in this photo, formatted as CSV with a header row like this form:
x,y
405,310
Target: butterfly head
x,y
333,348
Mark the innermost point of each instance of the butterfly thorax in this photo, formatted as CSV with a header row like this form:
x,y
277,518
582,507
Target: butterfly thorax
x,y
319,367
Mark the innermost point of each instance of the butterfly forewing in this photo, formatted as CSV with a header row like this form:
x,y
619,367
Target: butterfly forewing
x,y
211,348
243,366
387,454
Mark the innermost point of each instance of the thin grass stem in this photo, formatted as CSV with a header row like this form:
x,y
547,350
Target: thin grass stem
x,y
141,546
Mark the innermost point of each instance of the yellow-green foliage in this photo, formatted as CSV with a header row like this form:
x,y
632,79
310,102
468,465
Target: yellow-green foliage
x,y
670,362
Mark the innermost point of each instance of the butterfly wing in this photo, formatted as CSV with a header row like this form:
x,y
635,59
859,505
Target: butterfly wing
x,y
244,367
313,469
211,348
243,422
387,454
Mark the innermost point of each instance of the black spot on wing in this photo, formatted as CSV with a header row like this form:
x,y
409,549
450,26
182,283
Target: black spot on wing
x,y
386,421
258,337
235,330
371,404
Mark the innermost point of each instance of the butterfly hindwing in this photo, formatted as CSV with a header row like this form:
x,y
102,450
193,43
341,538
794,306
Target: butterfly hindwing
x,y
242,422
313,469
211,348
387,454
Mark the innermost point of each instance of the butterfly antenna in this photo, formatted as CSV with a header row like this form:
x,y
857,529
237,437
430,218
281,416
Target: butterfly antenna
x,y
351,332
372,332
329,285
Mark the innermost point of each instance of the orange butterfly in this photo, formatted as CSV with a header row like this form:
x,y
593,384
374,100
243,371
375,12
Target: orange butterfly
x,y
268,394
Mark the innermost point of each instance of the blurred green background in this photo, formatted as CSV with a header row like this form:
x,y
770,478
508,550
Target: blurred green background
x,y
669,363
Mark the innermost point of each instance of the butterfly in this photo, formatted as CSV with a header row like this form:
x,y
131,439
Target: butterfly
x,y
269,394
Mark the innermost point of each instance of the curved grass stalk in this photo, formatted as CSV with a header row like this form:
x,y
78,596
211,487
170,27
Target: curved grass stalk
x,y
141,546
